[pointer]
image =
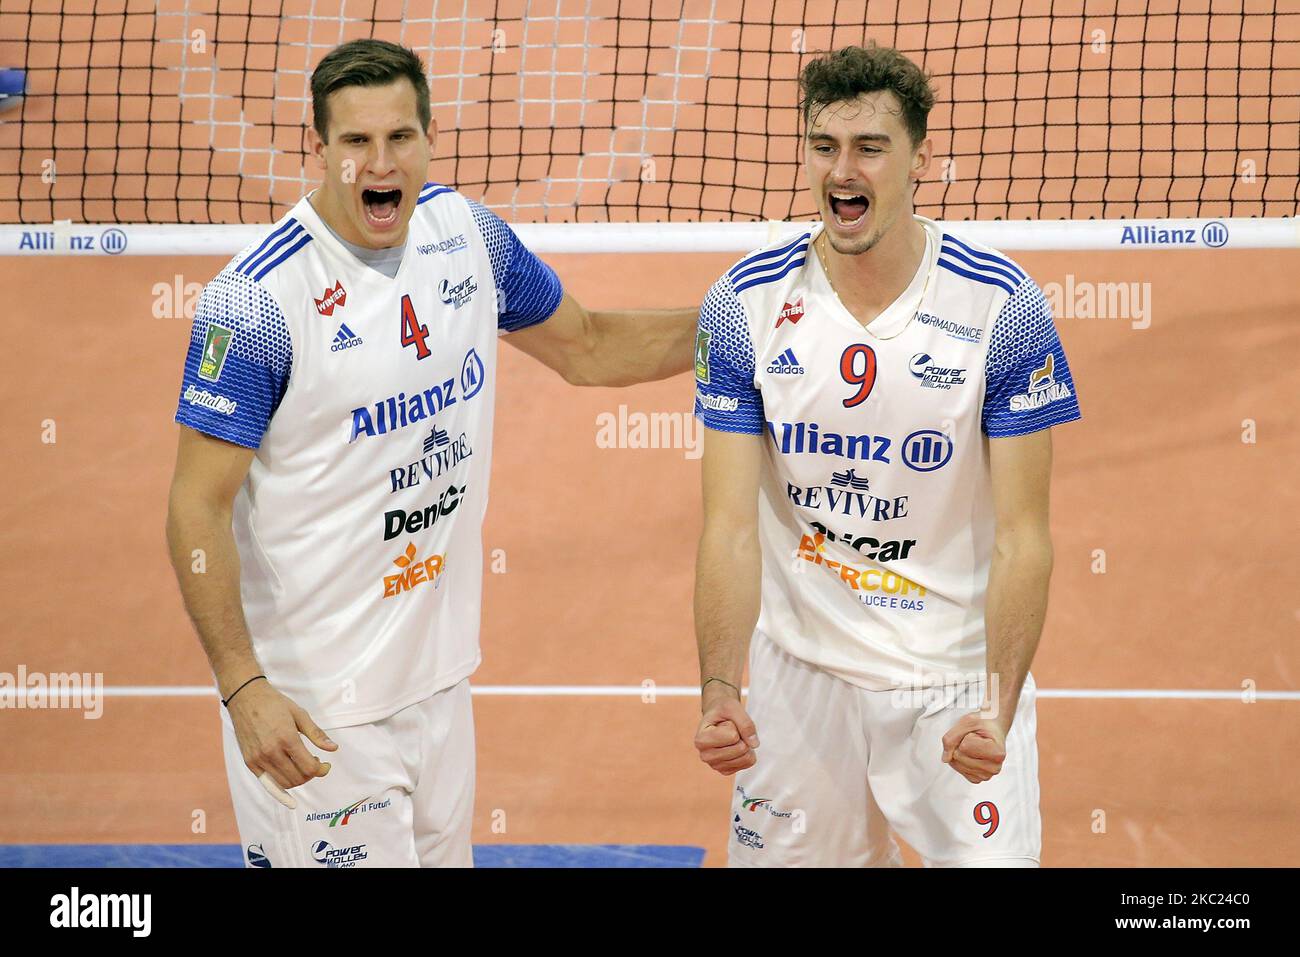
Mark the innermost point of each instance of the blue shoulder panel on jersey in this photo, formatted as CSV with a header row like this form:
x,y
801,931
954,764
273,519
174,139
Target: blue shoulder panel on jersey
x,y
756,275
977,276
430,190
985,257
767,254
1028,385
725,397
275,249
528,291
239,359
955,255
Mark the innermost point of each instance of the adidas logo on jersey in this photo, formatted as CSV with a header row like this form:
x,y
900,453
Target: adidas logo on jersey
x,y
335,296
345,338
786,364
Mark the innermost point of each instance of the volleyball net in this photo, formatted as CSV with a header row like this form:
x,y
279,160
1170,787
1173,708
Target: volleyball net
x,y
179,127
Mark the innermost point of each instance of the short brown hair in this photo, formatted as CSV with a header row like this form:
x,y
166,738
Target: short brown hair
x,y
366,63
848,73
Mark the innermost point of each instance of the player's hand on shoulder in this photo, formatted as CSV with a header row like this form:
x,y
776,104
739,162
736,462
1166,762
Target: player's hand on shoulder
x,y
726,737
270,727
975,748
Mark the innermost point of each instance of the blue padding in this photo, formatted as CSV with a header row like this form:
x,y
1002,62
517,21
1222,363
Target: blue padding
x,y
12,82
228,855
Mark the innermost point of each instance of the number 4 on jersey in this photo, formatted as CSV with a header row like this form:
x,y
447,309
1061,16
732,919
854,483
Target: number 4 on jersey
x,y
413,333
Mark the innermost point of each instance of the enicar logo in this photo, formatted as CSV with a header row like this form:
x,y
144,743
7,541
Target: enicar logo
x,y
333,297
791,312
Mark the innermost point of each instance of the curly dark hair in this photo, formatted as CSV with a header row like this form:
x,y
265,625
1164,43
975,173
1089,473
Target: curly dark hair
x,y
848,73
366,63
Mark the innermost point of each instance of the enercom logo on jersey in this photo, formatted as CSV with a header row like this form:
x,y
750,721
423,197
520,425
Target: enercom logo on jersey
x,y
879,588
414,572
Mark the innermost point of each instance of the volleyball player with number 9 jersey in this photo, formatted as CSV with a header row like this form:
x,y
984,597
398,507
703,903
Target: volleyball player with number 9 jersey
x,y
878,393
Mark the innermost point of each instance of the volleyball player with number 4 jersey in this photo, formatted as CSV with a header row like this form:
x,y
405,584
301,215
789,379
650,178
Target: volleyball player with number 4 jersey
x,y
336,411
878,394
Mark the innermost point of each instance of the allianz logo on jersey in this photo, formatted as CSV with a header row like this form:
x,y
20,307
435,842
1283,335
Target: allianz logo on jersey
x,y
934,376
785,364
795,438
1043,389
459,294
398,411
453,245
345,338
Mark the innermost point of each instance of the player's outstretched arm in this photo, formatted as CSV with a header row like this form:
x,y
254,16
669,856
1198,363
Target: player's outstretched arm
x,y
208,473
1021,468
727,579
611,347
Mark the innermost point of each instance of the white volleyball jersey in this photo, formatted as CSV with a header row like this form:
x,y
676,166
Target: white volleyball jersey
x,y
876,513
369,401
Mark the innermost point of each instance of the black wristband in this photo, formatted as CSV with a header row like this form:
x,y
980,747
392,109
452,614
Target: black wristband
x,y
225,702
721,681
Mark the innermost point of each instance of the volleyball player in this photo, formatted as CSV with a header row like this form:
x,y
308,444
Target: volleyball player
x,y
879,395
336,420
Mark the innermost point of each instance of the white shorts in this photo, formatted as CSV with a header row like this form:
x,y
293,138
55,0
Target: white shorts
x,y
400,793
838,766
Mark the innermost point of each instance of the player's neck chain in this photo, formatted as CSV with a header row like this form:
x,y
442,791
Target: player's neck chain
x,y
820,247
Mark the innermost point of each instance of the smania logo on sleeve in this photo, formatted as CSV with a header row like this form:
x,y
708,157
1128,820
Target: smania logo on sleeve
x,y
877,587
934,376
1043,389
414,572
215,349
209,400
459,294
323,852
336,296
702,357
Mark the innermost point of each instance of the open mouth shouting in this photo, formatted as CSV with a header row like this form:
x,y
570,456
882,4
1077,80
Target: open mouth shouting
x,y
848,209
382,204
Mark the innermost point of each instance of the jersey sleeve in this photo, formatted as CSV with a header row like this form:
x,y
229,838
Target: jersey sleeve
x,y
528,291
725,397
1028,382
238,363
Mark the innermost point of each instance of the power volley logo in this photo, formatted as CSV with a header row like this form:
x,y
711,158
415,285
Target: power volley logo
x,y
934,376
323,852
459,294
